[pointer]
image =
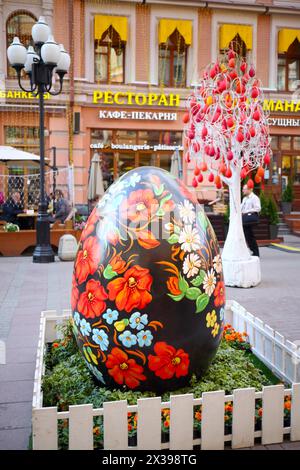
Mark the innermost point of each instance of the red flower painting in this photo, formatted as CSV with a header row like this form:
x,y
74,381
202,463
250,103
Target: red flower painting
x,y
168,362
219,294
173,285
91,303
88,259
74,294
132,290
124,370
139,206
90,225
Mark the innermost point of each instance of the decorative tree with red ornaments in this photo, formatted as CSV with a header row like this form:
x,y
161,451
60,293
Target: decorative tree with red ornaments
x,y
227,135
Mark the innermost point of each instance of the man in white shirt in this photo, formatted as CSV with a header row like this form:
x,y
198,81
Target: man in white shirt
x,y
250,209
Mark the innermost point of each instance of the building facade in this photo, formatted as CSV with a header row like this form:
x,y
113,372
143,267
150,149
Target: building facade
x,y
133,66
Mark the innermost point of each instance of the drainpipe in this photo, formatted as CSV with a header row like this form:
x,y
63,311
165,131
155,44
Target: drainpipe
x,y
70,108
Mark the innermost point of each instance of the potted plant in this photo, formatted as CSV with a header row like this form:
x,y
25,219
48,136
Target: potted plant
x,y
273,217
287,199
9,227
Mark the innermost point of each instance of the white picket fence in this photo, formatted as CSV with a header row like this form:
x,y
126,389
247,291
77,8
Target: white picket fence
x,y
181,437
279,354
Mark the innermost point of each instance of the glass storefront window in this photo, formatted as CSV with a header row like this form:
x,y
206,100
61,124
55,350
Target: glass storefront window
x,y
107,166
296,143
275,172
125,137
285,142
297,169
286,163
149,137
147,159
165,161
99,136
274,142
126,162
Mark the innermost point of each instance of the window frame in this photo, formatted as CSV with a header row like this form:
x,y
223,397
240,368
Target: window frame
x,y
288,58
109,46
172,48
24,39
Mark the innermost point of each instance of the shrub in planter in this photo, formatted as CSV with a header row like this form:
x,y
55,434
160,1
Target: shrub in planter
x,y
67,382
273,217
287,199
270,211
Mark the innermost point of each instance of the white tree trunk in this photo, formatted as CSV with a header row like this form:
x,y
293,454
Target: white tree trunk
x,y
239,267
235,247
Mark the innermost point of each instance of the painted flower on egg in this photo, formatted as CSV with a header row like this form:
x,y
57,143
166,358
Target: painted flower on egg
x,y
147,291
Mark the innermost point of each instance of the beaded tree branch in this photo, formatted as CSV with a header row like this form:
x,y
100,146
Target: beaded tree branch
x,y
227,135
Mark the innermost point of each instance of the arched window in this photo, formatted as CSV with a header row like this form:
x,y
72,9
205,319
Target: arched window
x,y
173,61
288,70
110,57
239,46
19,24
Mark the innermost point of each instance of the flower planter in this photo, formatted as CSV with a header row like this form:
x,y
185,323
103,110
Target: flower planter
x,y
273,231
280,355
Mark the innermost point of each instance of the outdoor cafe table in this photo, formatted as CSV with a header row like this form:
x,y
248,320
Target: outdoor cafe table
x,y
32,215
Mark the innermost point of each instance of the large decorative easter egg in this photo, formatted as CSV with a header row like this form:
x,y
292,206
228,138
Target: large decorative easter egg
x,y
148,292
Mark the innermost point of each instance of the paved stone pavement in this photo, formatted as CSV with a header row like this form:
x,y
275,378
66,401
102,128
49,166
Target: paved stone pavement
x,y
26,289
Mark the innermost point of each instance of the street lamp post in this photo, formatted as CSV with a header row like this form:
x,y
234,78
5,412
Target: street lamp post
x,y
40,63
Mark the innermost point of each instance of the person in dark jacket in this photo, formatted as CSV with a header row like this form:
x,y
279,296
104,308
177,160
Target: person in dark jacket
x,y
62,206
12,207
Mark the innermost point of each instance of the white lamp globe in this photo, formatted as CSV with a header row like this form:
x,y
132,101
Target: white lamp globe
x,y
30,56
16,52
40,31
50,51
64,62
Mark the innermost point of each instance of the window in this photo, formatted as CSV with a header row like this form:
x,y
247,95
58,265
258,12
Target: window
x,y
288,69
238,45
19,24
110,58
23,138
138,148
173,61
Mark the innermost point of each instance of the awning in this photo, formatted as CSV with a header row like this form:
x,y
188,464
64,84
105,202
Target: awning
x,y
229,31
168,26
12,154
286,37
103,22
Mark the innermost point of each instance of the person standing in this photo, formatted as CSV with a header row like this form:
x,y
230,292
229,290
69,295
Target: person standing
x,y
250,214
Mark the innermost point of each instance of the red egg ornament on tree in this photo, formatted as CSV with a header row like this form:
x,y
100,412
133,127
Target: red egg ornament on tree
x,y
250,184
234,128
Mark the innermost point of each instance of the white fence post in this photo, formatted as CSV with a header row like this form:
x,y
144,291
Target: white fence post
x,y
81,427
44,428
212,426
149,423
243,418
295,413
272,418
181,422
115,425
